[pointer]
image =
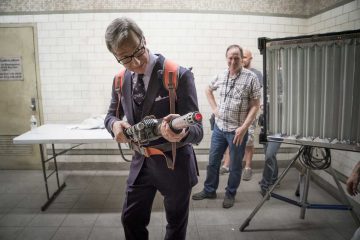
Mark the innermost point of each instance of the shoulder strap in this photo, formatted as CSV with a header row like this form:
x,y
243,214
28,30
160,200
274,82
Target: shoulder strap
x,y
170,82
119,80
118,83
171,74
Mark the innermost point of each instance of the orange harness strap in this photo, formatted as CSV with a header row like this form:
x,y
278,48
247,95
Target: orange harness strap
x,y
118,82
150,151
170,77
154,151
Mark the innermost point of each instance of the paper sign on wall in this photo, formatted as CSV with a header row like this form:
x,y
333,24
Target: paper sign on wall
x,y
11,68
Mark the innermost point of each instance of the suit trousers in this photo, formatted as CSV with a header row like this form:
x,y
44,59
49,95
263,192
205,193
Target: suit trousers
x,y
140,196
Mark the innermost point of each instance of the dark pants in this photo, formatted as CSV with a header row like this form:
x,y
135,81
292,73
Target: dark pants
x,y
270,172
139,199
219,142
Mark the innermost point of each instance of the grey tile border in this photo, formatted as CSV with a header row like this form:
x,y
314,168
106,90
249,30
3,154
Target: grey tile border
x,y
38,233
285,8
72,233
10,233
108,233
48,219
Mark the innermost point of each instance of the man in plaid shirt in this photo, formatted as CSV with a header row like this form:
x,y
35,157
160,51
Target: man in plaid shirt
x,y
239,102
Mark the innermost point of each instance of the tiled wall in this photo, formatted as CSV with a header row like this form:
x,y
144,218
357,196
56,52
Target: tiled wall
x,y
76,69
346,17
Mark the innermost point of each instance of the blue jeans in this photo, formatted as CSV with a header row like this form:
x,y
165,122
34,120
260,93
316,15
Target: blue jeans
x,y
270,172
220,140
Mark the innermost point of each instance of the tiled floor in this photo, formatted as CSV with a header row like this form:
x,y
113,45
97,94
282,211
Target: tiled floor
x,y
90,207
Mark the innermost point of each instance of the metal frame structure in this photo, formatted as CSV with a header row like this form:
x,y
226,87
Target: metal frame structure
x,y
304,182
263,45
303,203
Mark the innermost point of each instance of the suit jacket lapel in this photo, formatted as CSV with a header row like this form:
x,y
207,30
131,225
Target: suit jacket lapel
x,y
153,88
126,91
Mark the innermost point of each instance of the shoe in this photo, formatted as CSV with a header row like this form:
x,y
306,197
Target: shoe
x,y
224,170
228,201
202,195
263,193
247,174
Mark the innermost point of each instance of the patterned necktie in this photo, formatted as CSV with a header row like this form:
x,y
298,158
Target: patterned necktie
x,y
139,90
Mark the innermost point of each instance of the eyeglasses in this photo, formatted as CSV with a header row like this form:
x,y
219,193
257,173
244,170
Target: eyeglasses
x,y
140,50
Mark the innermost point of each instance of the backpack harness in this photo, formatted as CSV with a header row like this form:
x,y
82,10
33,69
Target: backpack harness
x,y
170,82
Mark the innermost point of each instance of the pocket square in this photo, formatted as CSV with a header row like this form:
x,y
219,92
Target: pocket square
x,y
160,98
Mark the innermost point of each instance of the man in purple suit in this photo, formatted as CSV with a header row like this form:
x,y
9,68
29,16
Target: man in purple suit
x,y
144,94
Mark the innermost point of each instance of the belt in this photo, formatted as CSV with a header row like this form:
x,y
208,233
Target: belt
x,y
157,150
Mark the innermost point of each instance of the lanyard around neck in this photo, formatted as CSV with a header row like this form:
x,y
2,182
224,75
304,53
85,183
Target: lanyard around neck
x,y
232,83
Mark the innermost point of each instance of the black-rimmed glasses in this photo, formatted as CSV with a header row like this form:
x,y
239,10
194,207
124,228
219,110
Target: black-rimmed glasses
x,y
140,50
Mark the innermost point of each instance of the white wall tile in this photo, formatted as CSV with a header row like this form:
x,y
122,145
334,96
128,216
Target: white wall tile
x,y
325,16
330,22
292,29
26,18
10,19
298,21
261,27
314,19
41,18
63,25
284,20
357,25
56,17
347,26
71,17
86,17
349,6
336,11
354,15
344,18
277,28
256,19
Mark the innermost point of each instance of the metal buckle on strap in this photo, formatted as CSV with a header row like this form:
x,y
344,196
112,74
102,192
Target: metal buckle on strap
x,y
139,149
144,151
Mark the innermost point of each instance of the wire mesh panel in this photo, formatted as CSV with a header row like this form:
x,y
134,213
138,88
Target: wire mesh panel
x,y
313,87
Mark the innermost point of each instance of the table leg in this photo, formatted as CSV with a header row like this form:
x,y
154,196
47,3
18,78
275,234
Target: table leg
x,y
51,198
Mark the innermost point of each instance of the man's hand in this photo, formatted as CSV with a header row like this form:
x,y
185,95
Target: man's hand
x,y
239,135
166,131
118,130
352,183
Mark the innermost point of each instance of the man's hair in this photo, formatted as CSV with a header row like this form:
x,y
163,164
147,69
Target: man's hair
x,y
235,46
118,31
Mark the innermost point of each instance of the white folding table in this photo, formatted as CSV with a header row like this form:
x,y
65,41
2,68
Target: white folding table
x,y
60,134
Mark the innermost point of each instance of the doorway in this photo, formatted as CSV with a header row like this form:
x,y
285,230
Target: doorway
x,y
19,94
